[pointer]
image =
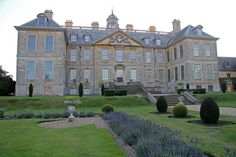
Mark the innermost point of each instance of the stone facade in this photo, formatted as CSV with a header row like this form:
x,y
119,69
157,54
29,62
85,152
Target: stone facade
x,y
92,55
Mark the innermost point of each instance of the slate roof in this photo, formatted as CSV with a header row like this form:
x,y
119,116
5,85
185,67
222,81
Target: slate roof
x,y
167,39
223,63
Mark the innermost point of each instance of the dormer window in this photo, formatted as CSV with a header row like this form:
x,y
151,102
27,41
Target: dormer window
x,y
199,32
227,64
42,19
86,38
158,41
146,41
73,37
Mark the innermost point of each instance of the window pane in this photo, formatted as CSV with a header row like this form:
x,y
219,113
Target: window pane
x,y
41,21
73,55
49,43
86,75
196,49
105,56
207,50
209,72
149,75
175,53
159,57
197,71
31,43
73,37
133,75
48,70
148,57
86,55
168,75
181,51
119,56
168,56
176,74
132,56
105,75
73,75
182,72
31,67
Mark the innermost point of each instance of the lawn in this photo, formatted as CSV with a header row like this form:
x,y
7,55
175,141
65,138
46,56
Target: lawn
x,y
25,138
211,139
223,99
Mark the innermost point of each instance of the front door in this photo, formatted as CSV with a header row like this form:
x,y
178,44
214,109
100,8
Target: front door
x,y
119,75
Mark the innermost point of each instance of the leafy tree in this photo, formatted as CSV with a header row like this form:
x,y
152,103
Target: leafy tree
x,y
30,90
81,88
223,86
7,84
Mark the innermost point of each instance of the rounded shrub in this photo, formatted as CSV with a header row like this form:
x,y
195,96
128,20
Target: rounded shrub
x,y
209,111
180,110
161,104
107,108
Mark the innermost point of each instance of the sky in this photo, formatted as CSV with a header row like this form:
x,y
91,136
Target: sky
x,y
216,16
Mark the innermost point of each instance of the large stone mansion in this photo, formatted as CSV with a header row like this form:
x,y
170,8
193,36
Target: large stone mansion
x,y
55,58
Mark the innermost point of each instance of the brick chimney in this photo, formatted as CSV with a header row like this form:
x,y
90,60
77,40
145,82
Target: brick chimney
x,y
95,25
69,24
49,14
176,26
152,29
129,28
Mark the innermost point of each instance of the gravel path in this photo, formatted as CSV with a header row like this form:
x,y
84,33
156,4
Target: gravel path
x,y
223,110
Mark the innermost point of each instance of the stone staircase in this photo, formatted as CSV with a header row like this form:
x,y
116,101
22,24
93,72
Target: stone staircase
x,y
173,99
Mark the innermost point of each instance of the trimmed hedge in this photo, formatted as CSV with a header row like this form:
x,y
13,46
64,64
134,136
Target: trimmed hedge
x,y
195,91
161,104
113,92
1,112
107,108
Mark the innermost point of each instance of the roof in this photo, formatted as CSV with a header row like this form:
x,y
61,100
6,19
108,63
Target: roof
x,y
227,63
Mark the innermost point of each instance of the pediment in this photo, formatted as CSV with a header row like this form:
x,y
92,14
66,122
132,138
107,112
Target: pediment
x,y
119,38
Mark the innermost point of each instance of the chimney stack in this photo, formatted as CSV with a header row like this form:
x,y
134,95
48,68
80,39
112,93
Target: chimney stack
x,y
49,14
129,28
176,26
69,24
95,25
152,29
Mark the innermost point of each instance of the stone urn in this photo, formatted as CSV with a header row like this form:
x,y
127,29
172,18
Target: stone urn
x,y
71,108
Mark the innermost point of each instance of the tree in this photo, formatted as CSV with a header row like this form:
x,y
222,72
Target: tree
x,y
81,88
223,86
30,90
187,86
7,84
102,89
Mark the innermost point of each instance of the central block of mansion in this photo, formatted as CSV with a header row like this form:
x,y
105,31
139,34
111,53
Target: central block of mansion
x,y
55,58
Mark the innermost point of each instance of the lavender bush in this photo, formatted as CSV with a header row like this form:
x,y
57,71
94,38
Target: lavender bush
x,y
148,138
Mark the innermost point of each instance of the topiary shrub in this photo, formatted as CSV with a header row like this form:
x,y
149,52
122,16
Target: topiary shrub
x,y
81,90
107,108
161,104
1,113
187,86
209,111
180,110
102,89
30,90
109,92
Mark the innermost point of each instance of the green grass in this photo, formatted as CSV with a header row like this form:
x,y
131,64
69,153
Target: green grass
x,y
25,138
212,139
222,99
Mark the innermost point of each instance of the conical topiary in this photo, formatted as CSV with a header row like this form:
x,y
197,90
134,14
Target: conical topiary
x,y
161,104
209,111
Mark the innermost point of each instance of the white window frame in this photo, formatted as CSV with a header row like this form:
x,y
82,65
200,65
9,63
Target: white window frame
x,y
132,55
73,91
105,74
31,45
86,55
48,73
73,75
31,70
196,52
73,55
207,50
119,55
209,71
105,55
147,41
73,37
119,73
86,75
197,72
158,42
148,57
86,38
133,74
48,47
